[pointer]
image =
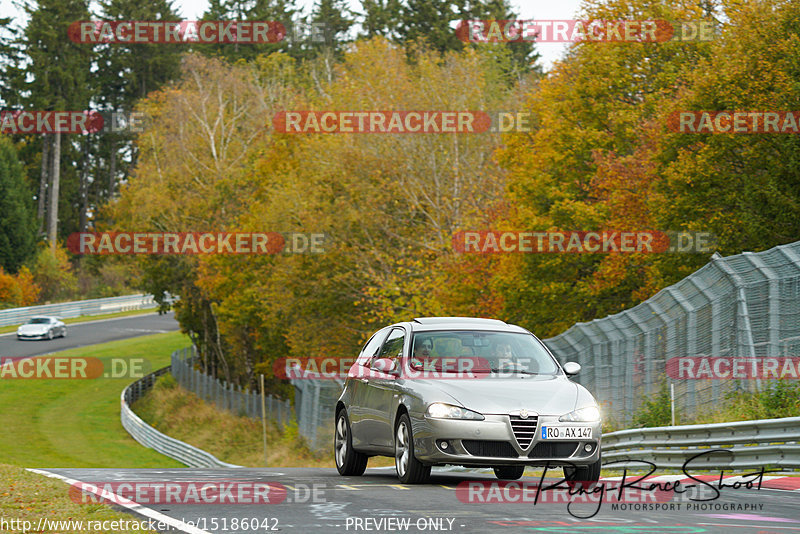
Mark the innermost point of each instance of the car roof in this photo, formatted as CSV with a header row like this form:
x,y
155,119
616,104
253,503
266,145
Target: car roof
x,y
427,324
44,317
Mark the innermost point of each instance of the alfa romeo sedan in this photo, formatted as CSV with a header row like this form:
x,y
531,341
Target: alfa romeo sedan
x,y
42,328
468,392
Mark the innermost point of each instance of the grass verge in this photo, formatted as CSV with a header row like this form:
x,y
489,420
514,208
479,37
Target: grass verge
x,y
237,440
26,496
75,423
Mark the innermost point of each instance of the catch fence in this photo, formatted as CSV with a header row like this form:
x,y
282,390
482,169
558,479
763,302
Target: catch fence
x,y
743,308
224,395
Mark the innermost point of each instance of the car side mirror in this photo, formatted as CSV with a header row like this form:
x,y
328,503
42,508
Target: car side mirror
x,y
572,368
384,365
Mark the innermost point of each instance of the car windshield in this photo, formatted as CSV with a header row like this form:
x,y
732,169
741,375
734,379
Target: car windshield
x,y
500,353
39,320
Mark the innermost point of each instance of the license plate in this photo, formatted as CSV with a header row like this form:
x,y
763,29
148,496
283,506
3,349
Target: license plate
x,y
566,432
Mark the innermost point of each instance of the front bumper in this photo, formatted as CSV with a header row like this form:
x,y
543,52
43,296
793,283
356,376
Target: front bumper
x,y
493,442
31,336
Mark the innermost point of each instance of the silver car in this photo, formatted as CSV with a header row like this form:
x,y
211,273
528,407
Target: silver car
x,y
42,327
469,392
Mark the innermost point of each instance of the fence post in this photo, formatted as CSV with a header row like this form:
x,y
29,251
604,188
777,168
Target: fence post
x,y
264,420
315,417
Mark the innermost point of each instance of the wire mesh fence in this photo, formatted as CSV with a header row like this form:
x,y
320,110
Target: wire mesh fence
x,y
224,395
315,401
734,313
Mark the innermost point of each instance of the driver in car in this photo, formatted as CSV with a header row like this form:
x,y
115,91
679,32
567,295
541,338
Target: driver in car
x,y
422,352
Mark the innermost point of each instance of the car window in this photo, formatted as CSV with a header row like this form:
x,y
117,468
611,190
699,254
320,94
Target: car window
x,y
501,353
393,347
371,347
39,320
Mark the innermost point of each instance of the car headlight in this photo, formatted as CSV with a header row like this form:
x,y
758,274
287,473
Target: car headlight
x,y
441,410
589,413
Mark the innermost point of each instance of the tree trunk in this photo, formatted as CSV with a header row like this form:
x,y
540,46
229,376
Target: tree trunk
x,y
43,180
84,185
52,229
112,168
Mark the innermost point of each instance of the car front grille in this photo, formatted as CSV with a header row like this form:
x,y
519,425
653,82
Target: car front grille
x,y
524,429
553,449
494,449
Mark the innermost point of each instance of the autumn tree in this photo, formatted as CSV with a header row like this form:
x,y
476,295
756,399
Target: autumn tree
x,y
587,166
387,204
744,188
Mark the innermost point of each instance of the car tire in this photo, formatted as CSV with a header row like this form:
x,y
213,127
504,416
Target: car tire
x,y
349,462
585,473
409,469
50,334
64,332
509,472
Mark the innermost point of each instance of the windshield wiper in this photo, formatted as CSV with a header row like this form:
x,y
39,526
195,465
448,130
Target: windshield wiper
x,y
507,369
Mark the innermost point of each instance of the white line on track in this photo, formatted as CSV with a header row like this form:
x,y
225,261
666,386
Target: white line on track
x,y
130,505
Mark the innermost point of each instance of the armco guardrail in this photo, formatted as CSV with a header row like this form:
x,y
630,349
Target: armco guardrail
x,y
152,438
78,308
774,443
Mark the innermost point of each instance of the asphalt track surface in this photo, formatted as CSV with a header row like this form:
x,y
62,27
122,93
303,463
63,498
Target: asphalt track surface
x,y
319,500
89,333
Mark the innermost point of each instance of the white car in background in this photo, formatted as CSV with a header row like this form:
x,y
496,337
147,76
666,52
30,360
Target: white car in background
x,y
42,327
